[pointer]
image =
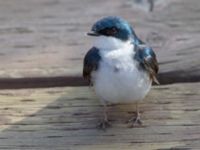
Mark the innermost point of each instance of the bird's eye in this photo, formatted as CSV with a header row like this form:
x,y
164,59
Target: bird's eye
x,y
111,31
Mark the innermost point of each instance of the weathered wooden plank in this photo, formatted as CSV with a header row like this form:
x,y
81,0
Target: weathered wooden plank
x,y
66,118
47,39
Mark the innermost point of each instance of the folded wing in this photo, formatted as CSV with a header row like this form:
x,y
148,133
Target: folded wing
x,y
91,63
147,59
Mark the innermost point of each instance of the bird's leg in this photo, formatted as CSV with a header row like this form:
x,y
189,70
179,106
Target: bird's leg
x,y
105,123
135,120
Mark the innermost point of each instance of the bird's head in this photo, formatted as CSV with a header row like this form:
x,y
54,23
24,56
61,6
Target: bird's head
x,y
112,32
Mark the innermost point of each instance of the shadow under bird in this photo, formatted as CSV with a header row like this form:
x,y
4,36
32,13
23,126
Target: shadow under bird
x,y
119,66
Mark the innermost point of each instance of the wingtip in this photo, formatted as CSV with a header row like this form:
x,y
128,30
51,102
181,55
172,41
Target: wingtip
x,y
156,81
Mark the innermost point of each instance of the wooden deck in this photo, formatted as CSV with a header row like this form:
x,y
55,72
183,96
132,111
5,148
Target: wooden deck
x,y
46,38
42,44
66,118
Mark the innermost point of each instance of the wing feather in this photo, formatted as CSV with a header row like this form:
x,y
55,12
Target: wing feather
x,y
148,61
91,63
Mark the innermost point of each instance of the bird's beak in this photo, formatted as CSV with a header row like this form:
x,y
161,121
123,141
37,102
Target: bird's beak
x,y
92,34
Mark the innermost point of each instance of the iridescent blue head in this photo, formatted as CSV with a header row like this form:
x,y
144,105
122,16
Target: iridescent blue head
x,y
113,27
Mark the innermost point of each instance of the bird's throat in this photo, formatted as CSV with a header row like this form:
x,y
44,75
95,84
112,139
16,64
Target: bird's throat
x,y
109,43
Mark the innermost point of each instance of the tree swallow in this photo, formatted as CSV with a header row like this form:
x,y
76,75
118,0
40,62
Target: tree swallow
x,y
120,66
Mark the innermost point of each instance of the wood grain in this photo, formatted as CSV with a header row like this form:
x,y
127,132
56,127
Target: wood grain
x,y
66,118
46,38
42,44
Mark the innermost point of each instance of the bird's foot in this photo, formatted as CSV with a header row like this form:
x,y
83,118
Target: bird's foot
x,y
135,121
104,125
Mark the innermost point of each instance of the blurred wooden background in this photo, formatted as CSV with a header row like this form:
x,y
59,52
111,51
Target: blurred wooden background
x,y
42,44
46,38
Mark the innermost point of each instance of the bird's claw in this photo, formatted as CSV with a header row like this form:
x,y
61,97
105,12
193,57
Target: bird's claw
x,y
135,121
104,125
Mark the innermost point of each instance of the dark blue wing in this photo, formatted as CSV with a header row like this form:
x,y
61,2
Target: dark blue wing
x,y
147,59
91,63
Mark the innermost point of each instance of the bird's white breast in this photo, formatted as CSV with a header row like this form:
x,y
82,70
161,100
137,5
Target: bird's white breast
x,y
118,78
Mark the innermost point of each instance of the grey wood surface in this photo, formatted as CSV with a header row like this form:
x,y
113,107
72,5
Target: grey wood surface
x,y
46,38
66,118
43,41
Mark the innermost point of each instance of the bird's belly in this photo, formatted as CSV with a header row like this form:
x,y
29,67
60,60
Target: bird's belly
x,y
121,85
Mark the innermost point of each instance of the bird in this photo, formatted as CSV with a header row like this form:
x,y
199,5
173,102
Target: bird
x,y
120,67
